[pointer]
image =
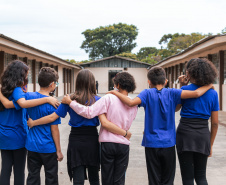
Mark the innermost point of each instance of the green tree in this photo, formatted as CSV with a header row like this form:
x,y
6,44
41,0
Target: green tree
x,y
151,59
178,42
223,31
128,55
146,51
109,40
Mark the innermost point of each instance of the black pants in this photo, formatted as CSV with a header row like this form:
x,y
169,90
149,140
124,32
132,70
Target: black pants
x,y
114,162
79,175
34,163
15,159
161,165
193,167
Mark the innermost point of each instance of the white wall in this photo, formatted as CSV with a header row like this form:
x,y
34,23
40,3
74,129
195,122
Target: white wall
x,y
101,75
61,84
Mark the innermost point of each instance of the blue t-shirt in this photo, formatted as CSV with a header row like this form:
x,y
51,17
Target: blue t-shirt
x,y
39,138
159,106
199,107
13,132
75,119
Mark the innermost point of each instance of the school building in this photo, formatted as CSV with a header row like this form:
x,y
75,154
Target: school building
x,y
11,49
212,48
105,69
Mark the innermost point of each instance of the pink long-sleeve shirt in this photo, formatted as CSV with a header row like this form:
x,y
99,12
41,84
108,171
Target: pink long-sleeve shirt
x,y
116,112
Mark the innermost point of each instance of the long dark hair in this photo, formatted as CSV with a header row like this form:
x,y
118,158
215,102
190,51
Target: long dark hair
x,y
15,75
85,88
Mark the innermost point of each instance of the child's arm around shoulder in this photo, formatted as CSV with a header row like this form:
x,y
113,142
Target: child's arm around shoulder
x,y
42,121
89,112
185,94
19,97
126,100
6,102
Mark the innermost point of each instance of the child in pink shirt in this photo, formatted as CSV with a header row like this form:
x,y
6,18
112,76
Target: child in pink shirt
x,y
114,148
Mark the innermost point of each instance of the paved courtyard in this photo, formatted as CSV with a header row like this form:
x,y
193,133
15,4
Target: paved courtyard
x,y
136,173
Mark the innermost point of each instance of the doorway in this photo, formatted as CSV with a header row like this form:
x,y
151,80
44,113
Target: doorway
x,y
111,75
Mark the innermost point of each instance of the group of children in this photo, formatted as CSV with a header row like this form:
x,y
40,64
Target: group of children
x,y
116,111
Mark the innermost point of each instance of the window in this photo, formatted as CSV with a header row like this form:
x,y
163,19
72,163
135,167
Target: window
x,y
8,59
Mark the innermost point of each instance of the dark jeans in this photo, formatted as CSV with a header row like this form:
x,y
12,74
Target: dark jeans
x,y
161,165
15,159
193,167
79,174
114,162
34,164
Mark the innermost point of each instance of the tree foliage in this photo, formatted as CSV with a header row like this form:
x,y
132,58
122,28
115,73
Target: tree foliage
x,y
223,31
178,42
109,40
128,55
146,51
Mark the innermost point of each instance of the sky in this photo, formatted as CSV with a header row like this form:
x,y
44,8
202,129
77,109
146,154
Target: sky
x,y
56,26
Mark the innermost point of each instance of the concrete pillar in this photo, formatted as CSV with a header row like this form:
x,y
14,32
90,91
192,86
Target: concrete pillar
x,y
221,77
2,61
33,74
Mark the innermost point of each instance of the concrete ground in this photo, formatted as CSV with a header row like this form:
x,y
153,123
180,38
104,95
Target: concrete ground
x,y
136,173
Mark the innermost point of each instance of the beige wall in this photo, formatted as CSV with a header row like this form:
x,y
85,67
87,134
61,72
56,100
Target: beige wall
x,y
101,75
224,97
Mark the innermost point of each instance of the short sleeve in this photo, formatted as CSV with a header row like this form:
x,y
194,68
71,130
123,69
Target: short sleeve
x,y
62,110
143,97
177,95
16,105
216,106
18,93
56,122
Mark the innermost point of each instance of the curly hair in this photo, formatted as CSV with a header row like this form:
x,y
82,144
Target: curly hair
x,y
157,76
125,81
15,75
201,71
46,76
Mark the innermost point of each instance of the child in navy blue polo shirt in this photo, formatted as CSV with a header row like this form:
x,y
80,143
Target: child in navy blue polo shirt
x,y
159,133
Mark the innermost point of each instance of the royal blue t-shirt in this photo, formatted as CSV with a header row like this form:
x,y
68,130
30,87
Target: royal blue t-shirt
x,y
13,132
159,106
39,138
75,119
199,107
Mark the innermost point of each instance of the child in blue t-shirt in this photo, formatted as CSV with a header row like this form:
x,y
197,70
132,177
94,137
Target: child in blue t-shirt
x,y
13,121
159,133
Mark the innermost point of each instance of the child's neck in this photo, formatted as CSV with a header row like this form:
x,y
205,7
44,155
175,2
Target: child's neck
x,y
159,86
44,91
124,92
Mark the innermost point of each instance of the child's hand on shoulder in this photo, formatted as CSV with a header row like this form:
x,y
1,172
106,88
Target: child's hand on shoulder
x,y
66,99
30,123
183,80
53,101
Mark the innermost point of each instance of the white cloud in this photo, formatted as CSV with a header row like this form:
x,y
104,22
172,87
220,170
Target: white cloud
x,y
55,26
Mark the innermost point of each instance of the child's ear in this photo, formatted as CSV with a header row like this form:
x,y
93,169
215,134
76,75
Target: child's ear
x,y
118,86
149,83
